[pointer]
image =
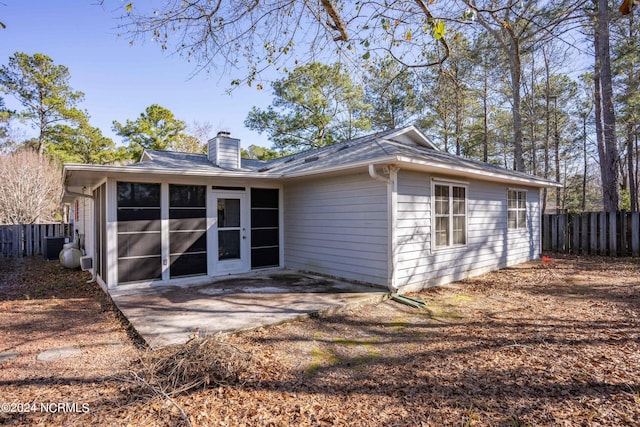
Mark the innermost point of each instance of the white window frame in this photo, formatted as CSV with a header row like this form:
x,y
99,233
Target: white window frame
x,y
450,184
517,209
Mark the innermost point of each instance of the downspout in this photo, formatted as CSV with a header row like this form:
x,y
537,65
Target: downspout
x,y
84,223
391,183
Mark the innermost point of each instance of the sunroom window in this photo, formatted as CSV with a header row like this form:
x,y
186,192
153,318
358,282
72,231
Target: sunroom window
x,y
187,230
139,234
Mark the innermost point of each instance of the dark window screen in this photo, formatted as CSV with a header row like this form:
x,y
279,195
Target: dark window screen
x,y
139,238
187,230
265,232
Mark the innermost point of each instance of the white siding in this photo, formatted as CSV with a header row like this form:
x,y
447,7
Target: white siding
x,y
338,226
490,245
84,225
228,153
224,152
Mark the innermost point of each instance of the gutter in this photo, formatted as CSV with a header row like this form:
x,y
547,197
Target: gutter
x,y
119,170
374,174
477,173
391,197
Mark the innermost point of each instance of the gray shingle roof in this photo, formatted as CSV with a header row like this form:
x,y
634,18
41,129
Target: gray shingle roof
x,y
173,160
406,143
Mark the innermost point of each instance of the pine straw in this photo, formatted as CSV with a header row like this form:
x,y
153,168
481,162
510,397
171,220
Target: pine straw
x,y
554,343
197,364
194,366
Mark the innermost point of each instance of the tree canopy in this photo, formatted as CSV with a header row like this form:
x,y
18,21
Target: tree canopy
x,y
43,90
156,128
83,144
392,92
314,105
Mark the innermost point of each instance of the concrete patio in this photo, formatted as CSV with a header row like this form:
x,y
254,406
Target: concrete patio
x,y
166,315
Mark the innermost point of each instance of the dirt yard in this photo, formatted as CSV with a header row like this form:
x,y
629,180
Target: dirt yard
x,y
555,343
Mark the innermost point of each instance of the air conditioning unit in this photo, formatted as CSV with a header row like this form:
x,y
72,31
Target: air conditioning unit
x,y
52,247
86,263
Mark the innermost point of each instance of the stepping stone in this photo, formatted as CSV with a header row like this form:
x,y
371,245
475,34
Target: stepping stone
x,y
7,356
57,353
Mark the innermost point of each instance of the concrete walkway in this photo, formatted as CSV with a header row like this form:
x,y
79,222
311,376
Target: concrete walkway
x,y
166,315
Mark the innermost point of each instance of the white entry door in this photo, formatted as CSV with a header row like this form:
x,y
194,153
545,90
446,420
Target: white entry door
x,y
230,240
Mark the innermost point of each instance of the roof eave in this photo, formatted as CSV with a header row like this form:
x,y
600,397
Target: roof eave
x,y
156,171
399,160
120,171
432,166
448,168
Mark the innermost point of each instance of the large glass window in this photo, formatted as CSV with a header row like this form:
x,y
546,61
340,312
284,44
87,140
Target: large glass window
x,y
187,230
450,215
139,238
516,209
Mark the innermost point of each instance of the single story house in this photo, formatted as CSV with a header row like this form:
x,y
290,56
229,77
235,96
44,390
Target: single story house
x,y
388,209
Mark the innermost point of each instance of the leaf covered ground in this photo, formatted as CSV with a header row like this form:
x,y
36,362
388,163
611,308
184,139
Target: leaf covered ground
x,y
554,343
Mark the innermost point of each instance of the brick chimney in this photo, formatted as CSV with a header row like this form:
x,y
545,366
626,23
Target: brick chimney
x,y
224,151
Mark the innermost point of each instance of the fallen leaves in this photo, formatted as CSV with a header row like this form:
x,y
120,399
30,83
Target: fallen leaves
x,y
554,343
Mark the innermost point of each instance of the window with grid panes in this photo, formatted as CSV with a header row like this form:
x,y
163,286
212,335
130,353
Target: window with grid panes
x,y
450,214
516,209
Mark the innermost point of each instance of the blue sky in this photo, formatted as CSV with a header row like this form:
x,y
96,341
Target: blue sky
x,y
120,80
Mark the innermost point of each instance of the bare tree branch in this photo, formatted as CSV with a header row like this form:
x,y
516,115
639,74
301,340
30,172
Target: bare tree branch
x,y
30,188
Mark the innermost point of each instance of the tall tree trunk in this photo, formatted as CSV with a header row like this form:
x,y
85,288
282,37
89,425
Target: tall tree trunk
x,y
42,122
458,118
607,149
509,42
597,100
556,140
516,74
585,163
532,118
636,170
547,130
485,120
633,191
445,128
630,119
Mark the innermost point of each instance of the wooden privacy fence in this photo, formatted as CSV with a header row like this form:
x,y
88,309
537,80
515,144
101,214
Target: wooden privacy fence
x,y
29,239
592,233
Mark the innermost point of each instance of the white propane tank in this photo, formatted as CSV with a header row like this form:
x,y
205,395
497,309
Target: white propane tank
x,y
70,257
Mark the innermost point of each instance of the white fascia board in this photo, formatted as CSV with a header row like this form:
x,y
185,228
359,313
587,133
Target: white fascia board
x,y
431,166
123,170
486,175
